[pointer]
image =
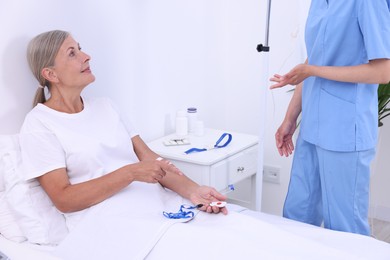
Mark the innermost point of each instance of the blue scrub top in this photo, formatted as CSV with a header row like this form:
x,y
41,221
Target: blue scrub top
x,y
342,116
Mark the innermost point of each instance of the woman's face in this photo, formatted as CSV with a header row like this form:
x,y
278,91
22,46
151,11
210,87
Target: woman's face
x,y
71,65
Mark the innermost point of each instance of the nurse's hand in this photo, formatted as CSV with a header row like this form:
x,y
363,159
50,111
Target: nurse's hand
x,y
283,138
298,74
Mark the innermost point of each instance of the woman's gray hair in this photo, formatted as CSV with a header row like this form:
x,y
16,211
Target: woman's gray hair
x,y
41,53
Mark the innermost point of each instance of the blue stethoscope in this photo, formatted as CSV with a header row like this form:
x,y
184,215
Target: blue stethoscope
x,y
217,144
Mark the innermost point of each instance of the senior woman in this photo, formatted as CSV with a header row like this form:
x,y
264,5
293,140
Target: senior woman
x,y
82,150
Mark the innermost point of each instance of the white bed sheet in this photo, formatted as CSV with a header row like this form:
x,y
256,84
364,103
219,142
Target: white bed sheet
x,y
25,250
360,247
244,235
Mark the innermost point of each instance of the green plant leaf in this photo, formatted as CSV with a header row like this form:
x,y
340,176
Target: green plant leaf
x,y
383,101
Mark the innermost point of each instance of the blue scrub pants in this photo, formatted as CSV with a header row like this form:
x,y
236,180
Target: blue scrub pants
x,y
330,187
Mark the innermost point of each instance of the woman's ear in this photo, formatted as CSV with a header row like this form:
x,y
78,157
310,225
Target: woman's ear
x,y
49,75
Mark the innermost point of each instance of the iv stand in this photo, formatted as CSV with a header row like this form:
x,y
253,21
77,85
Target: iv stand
x,y
261,47
265,49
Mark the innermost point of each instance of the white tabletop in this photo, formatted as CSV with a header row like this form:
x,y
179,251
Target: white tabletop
x,y
239,142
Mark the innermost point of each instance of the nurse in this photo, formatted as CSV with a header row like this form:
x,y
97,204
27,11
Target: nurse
x,y
348,54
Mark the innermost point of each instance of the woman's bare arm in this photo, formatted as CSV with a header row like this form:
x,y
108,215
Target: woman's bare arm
x,y
69,197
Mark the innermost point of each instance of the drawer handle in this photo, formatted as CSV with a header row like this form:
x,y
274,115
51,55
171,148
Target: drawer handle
x,y
240,169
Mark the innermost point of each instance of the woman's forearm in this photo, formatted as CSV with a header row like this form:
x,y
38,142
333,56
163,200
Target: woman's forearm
x,y
172,180
182,185
69,197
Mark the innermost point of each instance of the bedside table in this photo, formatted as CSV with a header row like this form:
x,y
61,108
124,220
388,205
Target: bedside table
x,y
217,167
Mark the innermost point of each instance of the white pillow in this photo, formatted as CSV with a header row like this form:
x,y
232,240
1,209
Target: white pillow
x,y
35,214
8,226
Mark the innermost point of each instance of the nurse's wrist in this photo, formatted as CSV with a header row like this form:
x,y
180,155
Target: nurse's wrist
x,y
291,117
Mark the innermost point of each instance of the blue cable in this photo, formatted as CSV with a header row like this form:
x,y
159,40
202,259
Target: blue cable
x,y
182,213
217,144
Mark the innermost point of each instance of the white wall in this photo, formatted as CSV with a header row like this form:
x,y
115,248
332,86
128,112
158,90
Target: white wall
x,y
380,180
152,57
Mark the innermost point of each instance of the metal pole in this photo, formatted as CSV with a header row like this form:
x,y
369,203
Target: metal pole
x,y
263,106
265,47
267,22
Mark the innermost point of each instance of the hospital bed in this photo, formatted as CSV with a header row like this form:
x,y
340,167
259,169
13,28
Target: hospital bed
x,y
131,225
242,234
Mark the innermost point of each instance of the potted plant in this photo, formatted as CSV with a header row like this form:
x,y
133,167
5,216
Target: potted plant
x,y
383,101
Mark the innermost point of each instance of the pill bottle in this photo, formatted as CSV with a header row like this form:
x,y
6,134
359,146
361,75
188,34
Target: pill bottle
x,y
192,115
181,125
199,128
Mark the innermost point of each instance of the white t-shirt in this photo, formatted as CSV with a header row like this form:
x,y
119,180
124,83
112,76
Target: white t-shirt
x,y
88,144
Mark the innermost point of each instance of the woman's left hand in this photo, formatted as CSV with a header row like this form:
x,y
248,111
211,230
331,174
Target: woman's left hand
x,y
206,195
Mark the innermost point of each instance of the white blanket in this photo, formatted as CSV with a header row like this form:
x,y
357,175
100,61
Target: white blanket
x,y
130,225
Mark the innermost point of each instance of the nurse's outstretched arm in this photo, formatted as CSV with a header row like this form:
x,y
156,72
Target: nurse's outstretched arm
x,y
374,72
294,77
